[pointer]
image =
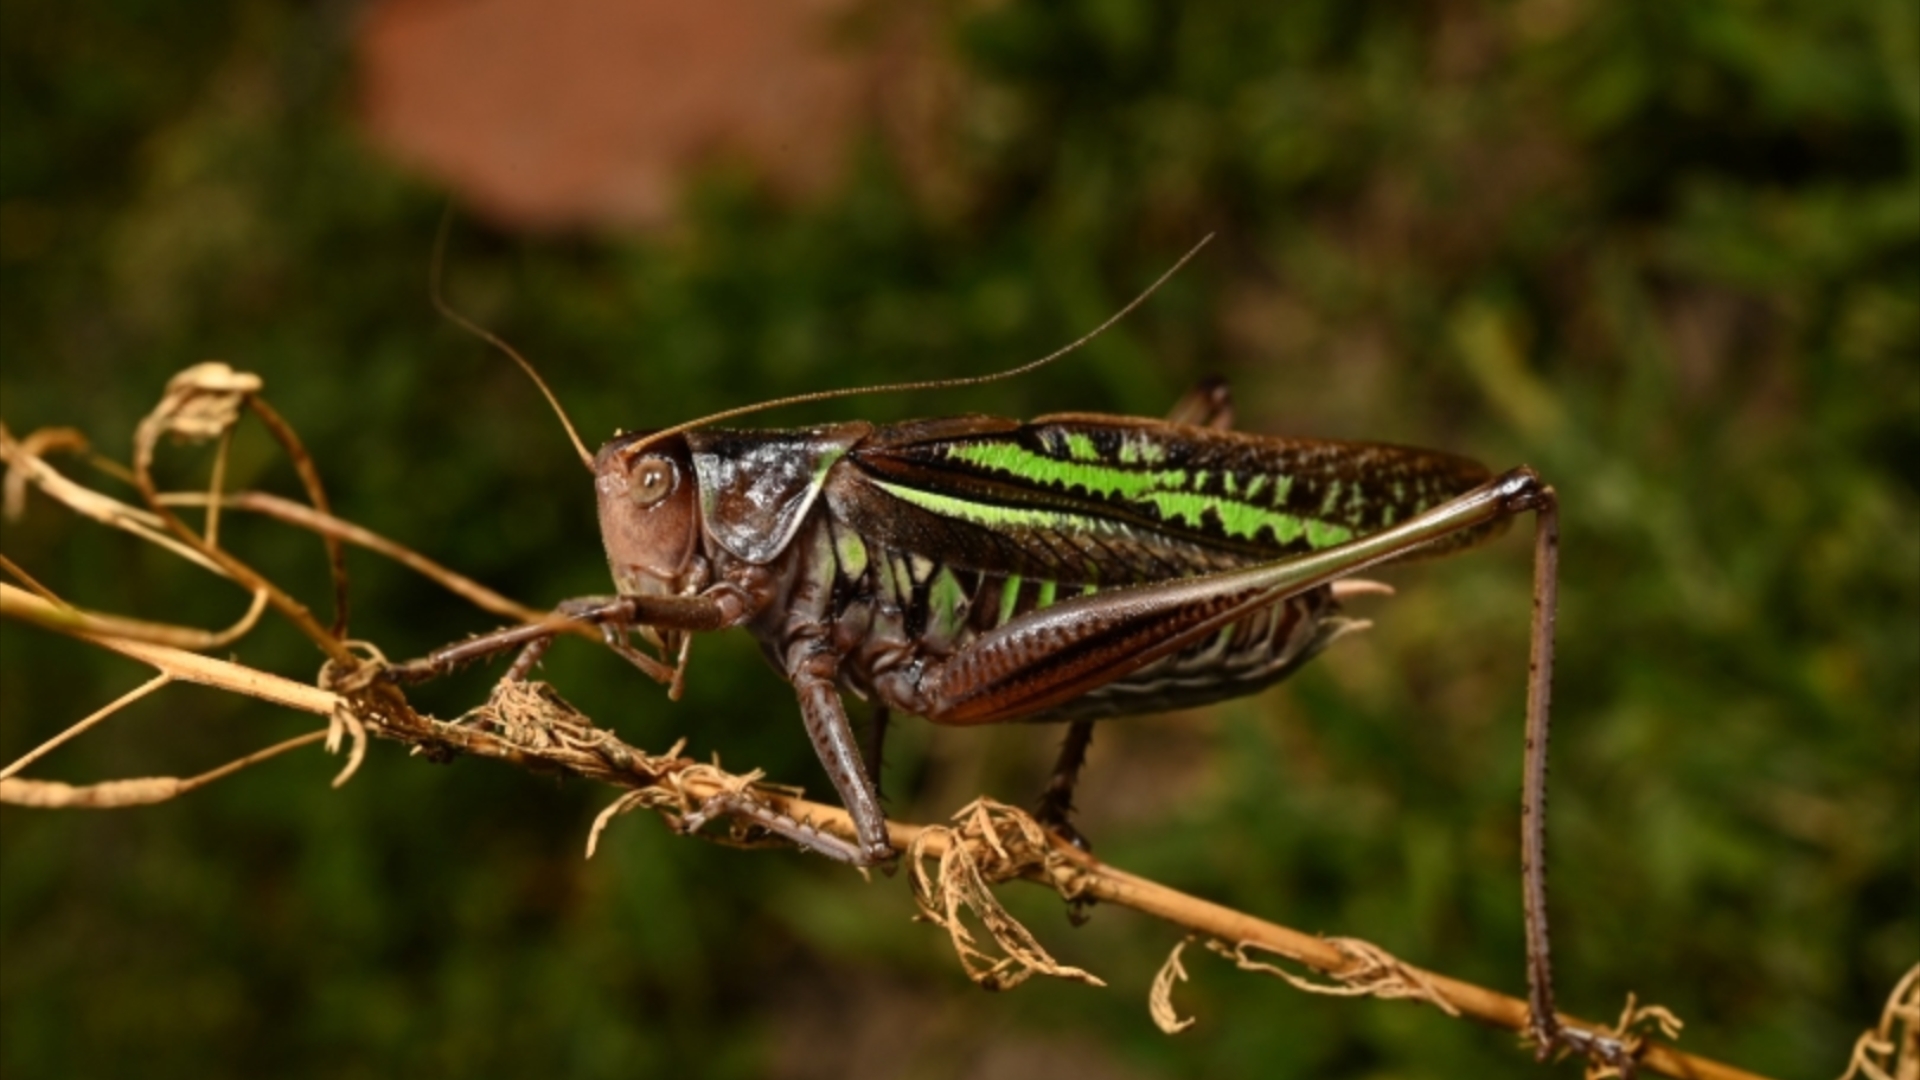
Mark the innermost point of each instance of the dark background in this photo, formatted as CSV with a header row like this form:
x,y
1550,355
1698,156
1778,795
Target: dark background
x,y
1667,254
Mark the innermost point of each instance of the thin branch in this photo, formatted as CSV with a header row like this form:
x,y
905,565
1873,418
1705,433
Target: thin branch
x,y
1890,1050
36,445
25,465
537,730
83,726
210,532
140,791
303,516
316,494
180,664
72,620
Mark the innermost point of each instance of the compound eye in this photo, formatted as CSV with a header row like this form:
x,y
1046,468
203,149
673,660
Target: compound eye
x,y
652,480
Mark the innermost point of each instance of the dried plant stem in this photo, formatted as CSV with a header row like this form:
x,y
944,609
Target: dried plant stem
x,y
77,729
210,532
69,619
303,516
139,791
283,433
601,756
1891,1049
26,467
179,664
201,403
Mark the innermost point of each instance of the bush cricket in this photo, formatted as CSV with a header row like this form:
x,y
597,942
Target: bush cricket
x,y
976,570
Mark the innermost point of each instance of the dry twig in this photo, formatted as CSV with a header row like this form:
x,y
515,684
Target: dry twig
x,y
1881,1052
559,739
1160,995
529,726
991,842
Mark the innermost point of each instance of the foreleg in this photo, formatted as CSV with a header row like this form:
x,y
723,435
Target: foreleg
x,y
614,615
812,675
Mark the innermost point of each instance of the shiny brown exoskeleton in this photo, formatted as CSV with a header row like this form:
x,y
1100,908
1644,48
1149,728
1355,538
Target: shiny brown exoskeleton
x,y
975,570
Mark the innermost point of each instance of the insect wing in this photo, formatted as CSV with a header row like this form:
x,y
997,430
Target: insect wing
x,y
1087,499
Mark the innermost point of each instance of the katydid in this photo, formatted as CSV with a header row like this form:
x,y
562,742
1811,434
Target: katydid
x,y
975,570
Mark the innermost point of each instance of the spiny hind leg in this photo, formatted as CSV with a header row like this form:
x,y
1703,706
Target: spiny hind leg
x,y
1055,807
1043,659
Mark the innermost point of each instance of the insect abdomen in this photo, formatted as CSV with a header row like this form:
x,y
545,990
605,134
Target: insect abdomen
x,y
895,612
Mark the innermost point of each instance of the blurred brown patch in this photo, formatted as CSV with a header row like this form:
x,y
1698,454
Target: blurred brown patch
x,y
570,113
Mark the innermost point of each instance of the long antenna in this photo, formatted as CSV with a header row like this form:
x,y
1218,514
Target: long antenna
x,y
935,384
440,304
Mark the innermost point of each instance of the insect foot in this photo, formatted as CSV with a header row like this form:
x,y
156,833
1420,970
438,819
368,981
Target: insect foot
x,y
1607,1055
1614,1052
805,835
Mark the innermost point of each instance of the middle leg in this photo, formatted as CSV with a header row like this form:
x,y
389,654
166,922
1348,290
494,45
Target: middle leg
x,y
877,743
1056,802
1209,404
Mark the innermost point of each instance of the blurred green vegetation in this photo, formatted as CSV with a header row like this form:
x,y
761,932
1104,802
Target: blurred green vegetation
x,y
1668,254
